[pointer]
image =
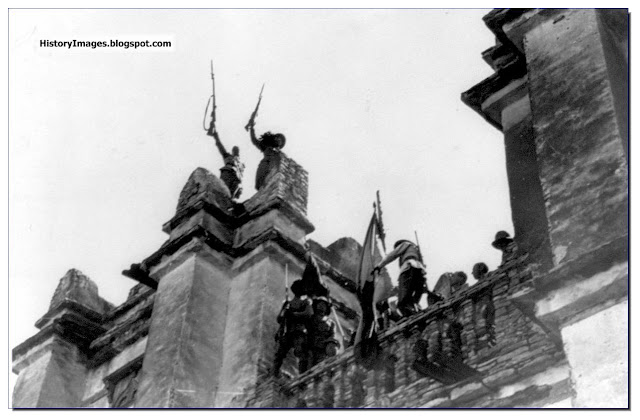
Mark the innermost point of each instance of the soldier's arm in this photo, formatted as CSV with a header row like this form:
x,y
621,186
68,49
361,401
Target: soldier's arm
x,y
254,139
219,144
283,312
393,255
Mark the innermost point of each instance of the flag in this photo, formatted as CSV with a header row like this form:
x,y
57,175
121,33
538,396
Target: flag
x,y
371,290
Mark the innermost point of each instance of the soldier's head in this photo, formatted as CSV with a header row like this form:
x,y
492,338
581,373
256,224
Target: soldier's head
x,y
235,151
321,306
276,140
459,277
502,240
479,270
297,288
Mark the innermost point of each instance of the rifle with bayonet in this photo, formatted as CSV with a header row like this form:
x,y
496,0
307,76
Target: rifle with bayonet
x,y
212,101
252,119
378,208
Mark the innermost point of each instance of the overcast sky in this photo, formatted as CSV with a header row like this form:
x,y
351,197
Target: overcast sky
x,y
102,141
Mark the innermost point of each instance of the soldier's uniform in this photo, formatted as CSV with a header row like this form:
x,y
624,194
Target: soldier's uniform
x,y
232,171
295,317
506,244
412,281
231,174
323,329
270,145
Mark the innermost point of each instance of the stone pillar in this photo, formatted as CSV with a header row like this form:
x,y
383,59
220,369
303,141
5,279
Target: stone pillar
x,y
573,125
599,370
52,364
221,283
581,150
273,233
183,356
579,142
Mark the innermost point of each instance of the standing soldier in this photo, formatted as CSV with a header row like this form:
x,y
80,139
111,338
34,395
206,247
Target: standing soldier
x,y
412,281
480,271
270,145
323,329
295,316
506,244
232,171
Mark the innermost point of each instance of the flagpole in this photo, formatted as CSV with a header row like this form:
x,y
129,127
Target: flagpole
x,y
335,315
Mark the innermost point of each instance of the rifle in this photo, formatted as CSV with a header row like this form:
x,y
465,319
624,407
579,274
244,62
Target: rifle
x,y
212,100
255,111
378,208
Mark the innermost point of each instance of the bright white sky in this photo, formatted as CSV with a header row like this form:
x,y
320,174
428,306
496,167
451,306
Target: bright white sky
x,y
102,142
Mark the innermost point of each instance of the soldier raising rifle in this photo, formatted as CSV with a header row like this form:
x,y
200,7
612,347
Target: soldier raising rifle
x,y
269,144
232,171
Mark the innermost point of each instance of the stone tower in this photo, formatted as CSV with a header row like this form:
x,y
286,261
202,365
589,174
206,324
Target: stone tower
x,y
547,328
199,329
560,96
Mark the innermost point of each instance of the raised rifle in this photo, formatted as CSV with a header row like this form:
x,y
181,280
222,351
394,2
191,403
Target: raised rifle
x,y
212,101
252,119
418,245
381,232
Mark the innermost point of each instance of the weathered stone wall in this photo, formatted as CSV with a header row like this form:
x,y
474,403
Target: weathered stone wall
x,y
580,151
560,95
517,363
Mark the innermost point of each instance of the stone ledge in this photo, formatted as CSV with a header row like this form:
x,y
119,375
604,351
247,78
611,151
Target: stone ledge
x,y
70,327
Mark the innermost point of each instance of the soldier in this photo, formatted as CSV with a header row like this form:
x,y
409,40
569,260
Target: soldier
x,y
270,145
322,334
479,271
412,282
294,319
506,244
232,171
450,283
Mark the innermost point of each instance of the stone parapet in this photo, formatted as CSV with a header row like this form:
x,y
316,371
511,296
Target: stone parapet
x,y
515,362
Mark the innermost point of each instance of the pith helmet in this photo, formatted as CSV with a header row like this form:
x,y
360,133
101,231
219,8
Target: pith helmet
x,y
502,239
401,241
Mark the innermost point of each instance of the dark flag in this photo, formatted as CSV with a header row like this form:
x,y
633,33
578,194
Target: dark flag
x,y
371,290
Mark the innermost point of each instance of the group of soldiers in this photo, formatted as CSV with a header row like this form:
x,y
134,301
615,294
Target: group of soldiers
x,y
233,170
305,321
268,143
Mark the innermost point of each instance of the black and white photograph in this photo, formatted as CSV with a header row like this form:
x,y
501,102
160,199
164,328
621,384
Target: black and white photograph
x,y
302,208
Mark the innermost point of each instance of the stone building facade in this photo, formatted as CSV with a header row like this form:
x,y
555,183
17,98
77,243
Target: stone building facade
x,y
548,328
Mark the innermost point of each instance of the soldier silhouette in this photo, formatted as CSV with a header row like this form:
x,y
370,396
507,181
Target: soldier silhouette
x,y
322,334
412,281
232,171
294,319
270,145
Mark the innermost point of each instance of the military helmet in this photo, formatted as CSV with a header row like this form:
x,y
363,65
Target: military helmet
x,y
502,239
401,241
